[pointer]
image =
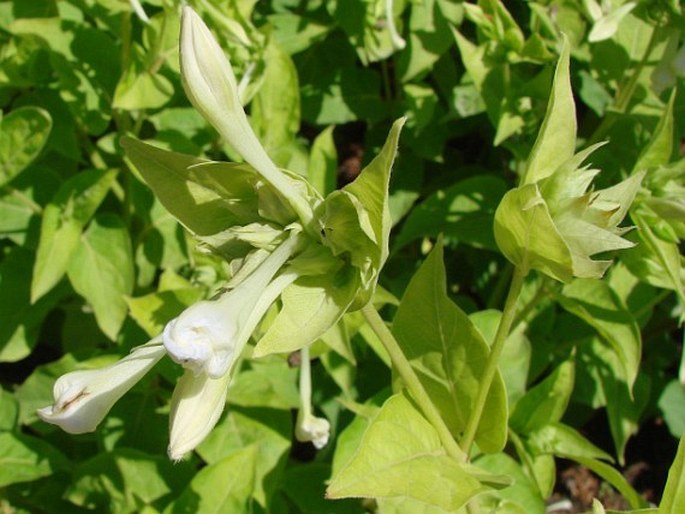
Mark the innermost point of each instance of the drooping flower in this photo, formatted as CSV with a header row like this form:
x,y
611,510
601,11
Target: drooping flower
x,y
83,398
309,428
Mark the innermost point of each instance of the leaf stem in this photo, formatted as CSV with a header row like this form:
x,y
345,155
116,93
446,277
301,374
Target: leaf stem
x,y
503,330
412,381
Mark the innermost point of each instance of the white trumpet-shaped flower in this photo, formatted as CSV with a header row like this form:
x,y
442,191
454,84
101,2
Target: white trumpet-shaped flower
x,y
309,428
196,406
83,398
209,336
211,87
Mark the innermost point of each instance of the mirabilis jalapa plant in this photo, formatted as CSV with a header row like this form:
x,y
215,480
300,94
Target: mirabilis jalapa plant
x,y
321,257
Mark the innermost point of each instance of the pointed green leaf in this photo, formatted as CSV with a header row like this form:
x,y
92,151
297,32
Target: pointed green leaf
x,y
527,236
546,402
673,498
224,487
556,141
449,354
564,441
400,455
23,133
207,198
63,220
659,149
323,162
596,303
102,271
311,306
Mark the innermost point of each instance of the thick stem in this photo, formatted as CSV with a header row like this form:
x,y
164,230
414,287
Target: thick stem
x,y
503,330
412,382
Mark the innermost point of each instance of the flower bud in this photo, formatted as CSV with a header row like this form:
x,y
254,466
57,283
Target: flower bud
x,y
309,428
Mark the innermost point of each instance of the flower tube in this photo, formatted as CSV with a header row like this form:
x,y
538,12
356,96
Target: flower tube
x,y
309,428
83,398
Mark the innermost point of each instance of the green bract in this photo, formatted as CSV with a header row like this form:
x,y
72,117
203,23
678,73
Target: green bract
x,y
554,222
321,257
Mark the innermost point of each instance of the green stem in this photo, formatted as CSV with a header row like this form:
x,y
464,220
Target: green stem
x,y
503,330
412,382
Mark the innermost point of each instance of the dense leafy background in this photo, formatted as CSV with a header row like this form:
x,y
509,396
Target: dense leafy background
x,y
91,264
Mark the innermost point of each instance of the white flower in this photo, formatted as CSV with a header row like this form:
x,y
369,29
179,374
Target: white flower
x,y
211,87
196,405
308,427
83,398
311,428
210,335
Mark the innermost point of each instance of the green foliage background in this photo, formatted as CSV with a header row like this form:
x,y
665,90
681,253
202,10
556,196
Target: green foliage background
x,y
91,264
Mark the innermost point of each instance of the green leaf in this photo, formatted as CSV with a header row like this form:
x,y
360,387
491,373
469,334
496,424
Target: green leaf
x,y
224,487
400,455
563,441
600,307
125,480
141,89
9,411
20,321
464,211
269,430
23,133
275,110
659,149
556,141
24,458
205,199
527,236
63,220
311,305
101,271
673,498
522,493
546,402
615,478
323,162
268,383
672,406
449,354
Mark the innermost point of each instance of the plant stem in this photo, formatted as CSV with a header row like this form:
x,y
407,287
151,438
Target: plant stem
x,y
503,330
412,382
